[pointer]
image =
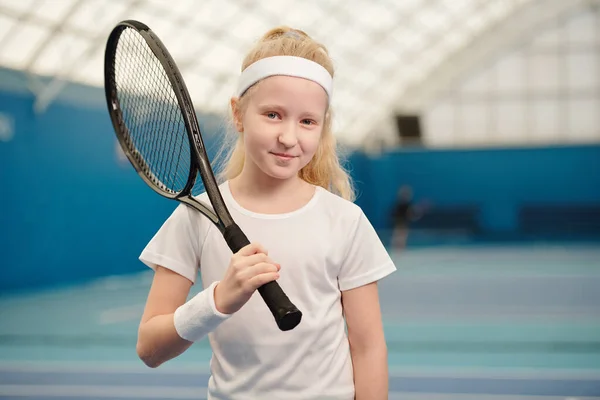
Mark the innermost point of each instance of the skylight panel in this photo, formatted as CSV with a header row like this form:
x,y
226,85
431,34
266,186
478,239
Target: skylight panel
x,y
60,53
53,11
18,48
19,6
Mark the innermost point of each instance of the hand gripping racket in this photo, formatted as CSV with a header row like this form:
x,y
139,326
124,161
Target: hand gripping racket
x,y
155,123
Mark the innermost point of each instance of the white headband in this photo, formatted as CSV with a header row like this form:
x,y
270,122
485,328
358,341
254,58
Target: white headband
x,y
288,66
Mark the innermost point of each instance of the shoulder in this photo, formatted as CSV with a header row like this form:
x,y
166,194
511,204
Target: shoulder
x,y
339,209
333,200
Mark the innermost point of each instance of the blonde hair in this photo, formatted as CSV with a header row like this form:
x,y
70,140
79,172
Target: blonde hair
x,y
324,169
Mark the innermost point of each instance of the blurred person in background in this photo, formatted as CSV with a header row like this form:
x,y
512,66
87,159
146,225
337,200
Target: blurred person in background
x,y
404,212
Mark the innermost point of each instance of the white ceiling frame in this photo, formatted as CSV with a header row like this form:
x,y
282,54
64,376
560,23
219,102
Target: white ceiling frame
x,y
35,84
385,131
368,105
522,22
55,30
213,33
51,90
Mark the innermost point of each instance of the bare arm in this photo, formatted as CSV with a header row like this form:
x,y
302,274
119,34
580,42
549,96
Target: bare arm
x,y
367,342
158,340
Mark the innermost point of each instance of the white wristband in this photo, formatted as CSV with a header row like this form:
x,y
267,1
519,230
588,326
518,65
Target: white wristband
x,y
199,316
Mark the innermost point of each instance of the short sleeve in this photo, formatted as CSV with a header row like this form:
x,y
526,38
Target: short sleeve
x,y
176,245
367,260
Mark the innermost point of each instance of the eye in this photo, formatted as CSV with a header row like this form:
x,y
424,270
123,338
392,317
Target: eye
x,y
272,115
308,122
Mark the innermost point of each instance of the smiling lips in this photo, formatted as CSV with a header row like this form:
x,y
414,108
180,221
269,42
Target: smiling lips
x,y
284,156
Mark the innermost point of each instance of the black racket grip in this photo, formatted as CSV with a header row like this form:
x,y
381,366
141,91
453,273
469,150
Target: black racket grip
x,y
287,316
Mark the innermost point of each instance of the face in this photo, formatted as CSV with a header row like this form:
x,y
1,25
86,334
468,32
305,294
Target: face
x,y
282,124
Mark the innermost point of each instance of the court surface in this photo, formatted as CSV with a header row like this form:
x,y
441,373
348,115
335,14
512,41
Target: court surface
x,y
465,322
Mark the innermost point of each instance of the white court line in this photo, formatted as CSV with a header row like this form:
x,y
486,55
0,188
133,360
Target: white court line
x,y
193,369
83,391
172,392
477,396
498,373
100,368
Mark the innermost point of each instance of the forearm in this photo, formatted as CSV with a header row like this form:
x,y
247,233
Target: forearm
x,y
158,341
163,337
370,373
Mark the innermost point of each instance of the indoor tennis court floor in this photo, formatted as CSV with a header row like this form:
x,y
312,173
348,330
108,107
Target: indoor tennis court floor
x,y
465,322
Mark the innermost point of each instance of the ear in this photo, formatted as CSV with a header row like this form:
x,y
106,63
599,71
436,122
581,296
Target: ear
x,y
237,115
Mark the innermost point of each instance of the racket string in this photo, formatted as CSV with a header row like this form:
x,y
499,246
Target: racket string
x,y
157,135
139,146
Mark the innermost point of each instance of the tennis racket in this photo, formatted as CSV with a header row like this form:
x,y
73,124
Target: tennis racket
x,y
156,126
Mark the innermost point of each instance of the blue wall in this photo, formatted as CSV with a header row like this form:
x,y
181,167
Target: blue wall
x,y
62,220
69,209
497,181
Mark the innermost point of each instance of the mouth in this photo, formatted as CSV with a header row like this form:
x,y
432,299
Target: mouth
x,y
283,155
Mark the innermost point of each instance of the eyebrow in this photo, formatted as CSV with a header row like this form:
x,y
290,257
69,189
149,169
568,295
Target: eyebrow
x,y
270,105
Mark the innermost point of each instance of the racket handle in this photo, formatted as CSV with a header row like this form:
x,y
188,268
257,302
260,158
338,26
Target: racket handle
x,y
286,315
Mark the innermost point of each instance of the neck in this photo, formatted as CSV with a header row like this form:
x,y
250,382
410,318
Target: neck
x,y
264,194
261,185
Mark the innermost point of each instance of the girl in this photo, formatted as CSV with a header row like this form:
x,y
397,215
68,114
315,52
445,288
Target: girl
x,y
285,188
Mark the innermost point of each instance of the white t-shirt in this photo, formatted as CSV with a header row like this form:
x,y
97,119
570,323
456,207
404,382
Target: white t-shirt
x,y
325,247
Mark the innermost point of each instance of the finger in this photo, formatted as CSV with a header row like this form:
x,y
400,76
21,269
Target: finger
x,y
249,273
258,248
260,268
241,263
252,248
261,279
255,259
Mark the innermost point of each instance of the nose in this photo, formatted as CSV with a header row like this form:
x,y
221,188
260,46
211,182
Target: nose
x,y
288,136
